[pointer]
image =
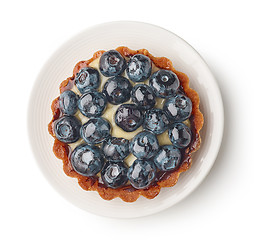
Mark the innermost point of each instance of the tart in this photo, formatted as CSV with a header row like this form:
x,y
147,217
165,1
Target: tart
x,y
126,124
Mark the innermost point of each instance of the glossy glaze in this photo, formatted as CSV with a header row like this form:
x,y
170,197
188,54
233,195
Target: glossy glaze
x,y
144,145
156,121
67,129
168,158
139,68
87,78
180,135
116,149
178,108
87,160
117,90
95,131
68,102
114,175
164,83
143,96
92,103
129,117
112,63
142,173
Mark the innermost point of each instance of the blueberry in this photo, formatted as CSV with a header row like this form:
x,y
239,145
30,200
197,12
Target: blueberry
x,y
164,83
168,158
143,96
96,130
114,175
180,135
87,160
141,173
68,102
144,145
128,117
112,63
116,149
92,104
87,78
117,90
178,108
67,129
139,68
156,121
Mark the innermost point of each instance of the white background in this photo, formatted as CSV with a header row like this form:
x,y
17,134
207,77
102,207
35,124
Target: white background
x,y
220,208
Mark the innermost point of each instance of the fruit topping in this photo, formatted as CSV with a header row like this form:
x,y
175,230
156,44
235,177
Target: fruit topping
x,y
144,145
156,121
87,160
87,78
68,102
67,128
114,174
129,117
102,155
116,149
96,130
164,83
117,90
168,158
92,104
178,108
180,135
139,68
112,63
143,96
141,173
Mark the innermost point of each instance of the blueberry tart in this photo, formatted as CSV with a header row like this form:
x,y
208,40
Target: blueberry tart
x,y
126,124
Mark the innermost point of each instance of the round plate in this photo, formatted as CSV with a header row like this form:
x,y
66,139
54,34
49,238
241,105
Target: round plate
x,y
135,35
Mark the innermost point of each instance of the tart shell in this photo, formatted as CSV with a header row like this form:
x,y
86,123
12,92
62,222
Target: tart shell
x,y
165,179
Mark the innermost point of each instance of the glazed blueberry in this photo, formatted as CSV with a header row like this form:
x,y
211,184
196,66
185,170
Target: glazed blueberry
x,y
116,149
144,145
87,78
96,130
141,173
180,135
112,63
143,96
68,102
178,108
67,129
156,121
164,83
117,90
114,175
87,160
139,68
92,104
168,158
128,117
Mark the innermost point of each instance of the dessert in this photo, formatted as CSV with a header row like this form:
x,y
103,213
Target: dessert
x,y
126,124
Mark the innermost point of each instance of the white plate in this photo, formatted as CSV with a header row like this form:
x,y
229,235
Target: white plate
x,y
135,35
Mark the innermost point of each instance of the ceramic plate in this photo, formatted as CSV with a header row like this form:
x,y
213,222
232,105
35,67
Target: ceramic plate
x,y
135,35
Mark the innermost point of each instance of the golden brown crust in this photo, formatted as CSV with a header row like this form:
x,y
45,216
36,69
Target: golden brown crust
x,y
128,193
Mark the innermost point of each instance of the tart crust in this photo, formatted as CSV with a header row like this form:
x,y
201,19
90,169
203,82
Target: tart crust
x,y
165,179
